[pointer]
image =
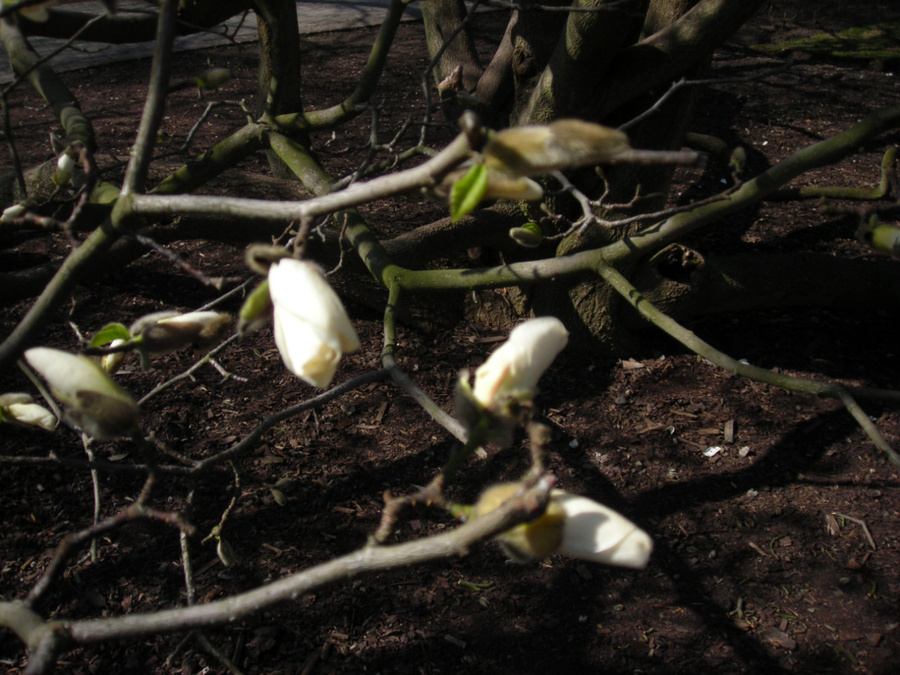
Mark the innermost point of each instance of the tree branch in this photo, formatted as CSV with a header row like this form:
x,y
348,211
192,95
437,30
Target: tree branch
x,y
456,542
690,340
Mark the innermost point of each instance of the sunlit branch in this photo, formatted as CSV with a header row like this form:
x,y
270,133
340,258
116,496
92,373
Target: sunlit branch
x,y
366,84
456,542
136,173
423,176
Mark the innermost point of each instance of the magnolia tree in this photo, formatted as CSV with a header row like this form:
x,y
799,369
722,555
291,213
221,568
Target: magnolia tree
x,y
569,137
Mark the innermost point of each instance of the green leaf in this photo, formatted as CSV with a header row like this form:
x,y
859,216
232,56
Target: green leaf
x,y
468,191
110,332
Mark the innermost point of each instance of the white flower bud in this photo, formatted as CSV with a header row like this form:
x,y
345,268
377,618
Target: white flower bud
x,y
65,166
164,332
596,532
20,408
11,213
110,362
312,329
563,144
513,370
572,525
93,402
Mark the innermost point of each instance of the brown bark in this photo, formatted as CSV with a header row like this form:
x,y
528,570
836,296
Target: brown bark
x,y
442,18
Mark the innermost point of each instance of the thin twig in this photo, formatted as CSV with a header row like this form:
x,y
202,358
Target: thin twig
x,y
695,83
862,524
388,360
206,358
95,481
455,542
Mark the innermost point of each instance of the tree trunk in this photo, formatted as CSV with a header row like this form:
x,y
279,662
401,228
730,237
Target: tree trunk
x,y
279,88
442,18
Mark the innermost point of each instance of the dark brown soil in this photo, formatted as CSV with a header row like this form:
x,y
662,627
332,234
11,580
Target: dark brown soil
x,y
778,553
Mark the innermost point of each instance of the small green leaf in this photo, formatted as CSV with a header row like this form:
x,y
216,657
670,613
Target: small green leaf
x,y
256,309
110,332
468,191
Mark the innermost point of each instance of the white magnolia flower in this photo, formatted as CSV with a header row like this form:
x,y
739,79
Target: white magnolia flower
x,y
312,329
573,525
92,401
513,370
164,332
22,409
595,532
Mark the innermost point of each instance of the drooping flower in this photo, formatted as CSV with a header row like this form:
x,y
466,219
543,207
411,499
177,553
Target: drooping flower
x,y
513,370
312,329
572,525
21,409
92,401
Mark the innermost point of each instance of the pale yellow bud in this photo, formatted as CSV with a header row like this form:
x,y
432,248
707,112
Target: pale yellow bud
x,y
164,332
20,409
563,144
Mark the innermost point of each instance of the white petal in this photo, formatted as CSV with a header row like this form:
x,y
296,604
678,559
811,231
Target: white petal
x,y
201,318
596,532
308,353
111,362
32,414
299,288
9,399
518,364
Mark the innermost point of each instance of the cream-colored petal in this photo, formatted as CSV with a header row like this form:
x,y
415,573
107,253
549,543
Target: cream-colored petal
x,y
515,368
306,351
14,397
299,288
596,532
33,415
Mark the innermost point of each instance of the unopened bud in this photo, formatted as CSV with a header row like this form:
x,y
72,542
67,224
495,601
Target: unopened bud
x,y
164,332
529,235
